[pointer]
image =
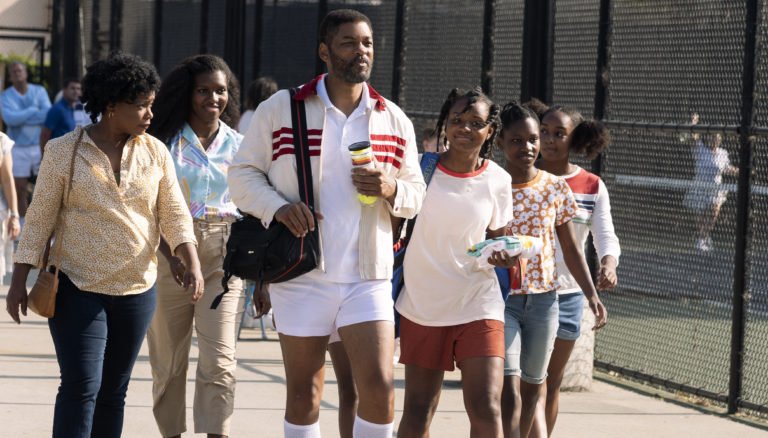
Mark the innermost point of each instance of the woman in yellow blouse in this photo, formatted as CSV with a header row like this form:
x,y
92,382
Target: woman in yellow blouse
x,y
123,193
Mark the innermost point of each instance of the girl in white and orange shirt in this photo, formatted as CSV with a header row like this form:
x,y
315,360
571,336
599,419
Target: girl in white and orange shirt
x,y
451,309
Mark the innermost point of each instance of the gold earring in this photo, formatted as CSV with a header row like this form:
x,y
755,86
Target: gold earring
x,y
110,114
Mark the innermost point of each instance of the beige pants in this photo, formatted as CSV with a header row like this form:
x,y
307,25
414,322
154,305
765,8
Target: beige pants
x,y
170,336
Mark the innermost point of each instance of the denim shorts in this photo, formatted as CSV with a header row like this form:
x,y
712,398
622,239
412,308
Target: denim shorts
x,y
530,326
571,311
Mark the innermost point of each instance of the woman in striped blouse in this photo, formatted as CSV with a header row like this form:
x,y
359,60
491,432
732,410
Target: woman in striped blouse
x,y
195,109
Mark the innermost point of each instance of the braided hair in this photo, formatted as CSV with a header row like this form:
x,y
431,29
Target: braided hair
x,y
589,138
472,96
514,112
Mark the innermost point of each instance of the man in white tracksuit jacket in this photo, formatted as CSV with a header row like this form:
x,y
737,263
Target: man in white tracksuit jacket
x,y
350,290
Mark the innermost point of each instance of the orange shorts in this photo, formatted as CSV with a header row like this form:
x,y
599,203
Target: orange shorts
x,y
438,348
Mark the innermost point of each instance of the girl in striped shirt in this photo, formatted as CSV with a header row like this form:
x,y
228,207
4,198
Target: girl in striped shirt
x,y
564,130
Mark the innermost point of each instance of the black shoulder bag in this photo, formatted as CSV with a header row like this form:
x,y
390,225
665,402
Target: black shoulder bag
x,y
274,254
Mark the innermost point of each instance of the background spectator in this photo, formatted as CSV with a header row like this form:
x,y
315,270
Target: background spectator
x,y
24,108
61,116
258,91
9,209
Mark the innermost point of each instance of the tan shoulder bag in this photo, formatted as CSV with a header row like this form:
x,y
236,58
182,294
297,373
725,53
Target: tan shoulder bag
x,y
42,297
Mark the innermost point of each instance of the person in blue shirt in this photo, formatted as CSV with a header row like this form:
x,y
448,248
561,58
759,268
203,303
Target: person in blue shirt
x,y
24,107
61,117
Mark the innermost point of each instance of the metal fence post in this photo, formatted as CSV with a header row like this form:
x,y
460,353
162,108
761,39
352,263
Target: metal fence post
x,y
204,8
538,50
234,43
95,50
157,41
115,25
71,62
744,197
487,75
55,74
399,50
602,81
257,35
322,10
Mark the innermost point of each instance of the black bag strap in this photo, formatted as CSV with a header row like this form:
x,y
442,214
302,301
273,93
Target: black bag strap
x,y
301,149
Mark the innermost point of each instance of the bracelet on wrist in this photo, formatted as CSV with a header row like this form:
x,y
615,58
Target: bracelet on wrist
x,y
13,214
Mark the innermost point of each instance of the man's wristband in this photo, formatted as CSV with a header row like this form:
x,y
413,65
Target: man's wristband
x,y
13,214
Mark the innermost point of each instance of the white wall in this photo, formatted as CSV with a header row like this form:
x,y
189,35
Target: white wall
x,y
24,14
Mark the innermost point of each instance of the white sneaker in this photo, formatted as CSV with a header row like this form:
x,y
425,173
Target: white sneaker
x,y
248,318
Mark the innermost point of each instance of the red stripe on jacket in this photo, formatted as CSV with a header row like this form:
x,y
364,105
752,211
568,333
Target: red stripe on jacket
x,y
289,141
392,138
400,152
289,131
290,151
384,159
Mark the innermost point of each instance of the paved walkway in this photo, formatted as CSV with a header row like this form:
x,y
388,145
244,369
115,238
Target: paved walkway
x,y
29,379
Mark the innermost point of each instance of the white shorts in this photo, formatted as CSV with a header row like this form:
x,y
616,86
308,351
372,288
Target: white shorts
x,y
26,161
310,306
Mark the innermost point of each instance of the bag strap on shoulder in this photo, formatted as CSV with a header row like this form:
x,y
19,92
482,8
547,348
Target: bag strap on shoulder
x,y
428,165
57,246
301,149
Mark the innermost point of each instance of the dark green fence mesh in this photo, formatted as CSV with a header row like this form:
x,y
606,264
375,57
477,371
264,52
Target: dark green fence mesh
x,y
671,316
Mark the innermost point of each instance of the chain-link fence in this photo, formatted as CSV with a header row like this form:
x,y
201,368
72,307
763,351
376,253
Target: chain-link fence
x,y
677,304
682,84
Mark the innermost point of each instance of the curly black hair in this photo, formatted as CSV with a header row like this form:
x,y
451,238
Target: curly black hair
x,y
514,112
590,137
174,100
472,96
259,90
121,77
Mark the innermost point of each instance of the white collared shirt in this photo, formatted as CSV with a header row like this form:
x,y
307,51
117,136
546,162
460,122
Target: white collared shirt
x,y
340,228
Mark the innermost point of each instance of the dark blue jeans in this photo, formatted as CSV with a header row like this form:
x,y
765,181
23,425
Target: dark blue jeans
x,y
97,339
